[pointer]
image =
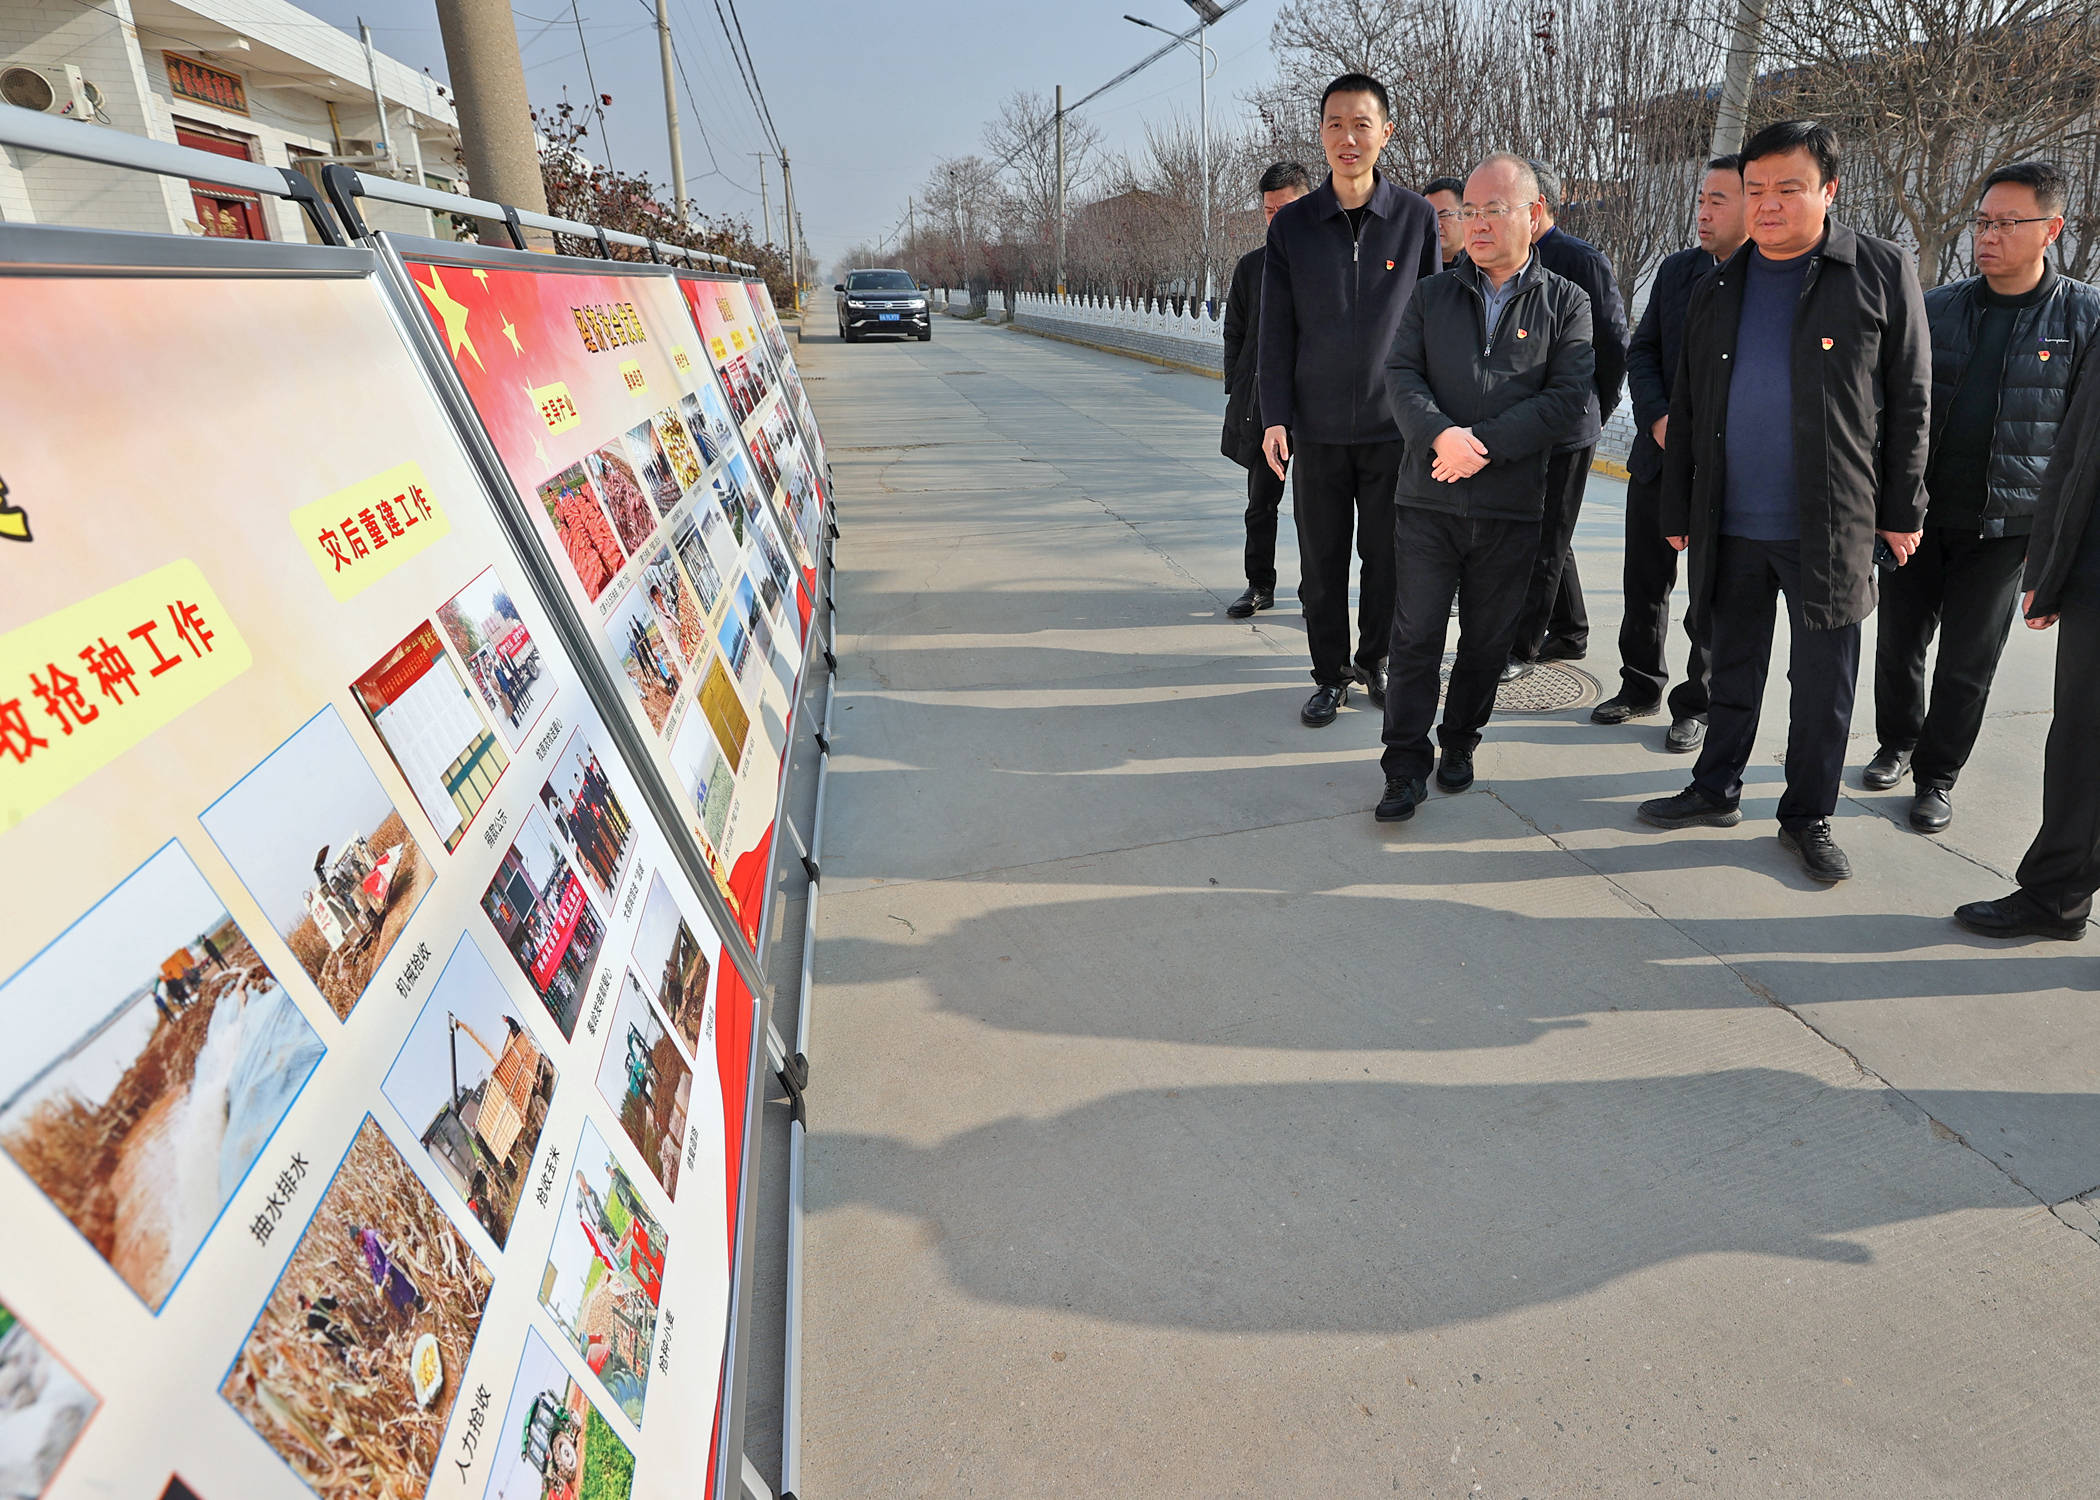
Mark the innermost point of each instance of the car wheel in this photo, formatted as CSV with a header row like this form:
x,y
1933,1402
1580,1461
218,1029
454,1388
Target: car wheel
x,y
926,337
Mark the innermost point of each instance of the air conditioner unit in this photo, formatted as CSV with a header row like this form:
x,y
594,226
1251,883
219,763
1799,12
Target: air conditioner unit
x,y
51,91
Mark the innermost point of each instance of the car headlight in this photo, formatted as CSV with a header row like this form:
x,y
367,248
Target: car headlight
x,y
917,304
855,302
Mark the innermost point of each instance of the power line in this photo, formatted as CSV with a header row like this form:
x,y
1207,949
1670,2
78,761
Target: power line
x,y
604,140
750,86
763,108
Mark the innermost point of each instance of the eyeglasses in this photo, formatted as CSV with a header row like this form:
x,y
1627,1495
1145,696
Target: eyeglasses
x,y
1981,226
1497,211
1449,213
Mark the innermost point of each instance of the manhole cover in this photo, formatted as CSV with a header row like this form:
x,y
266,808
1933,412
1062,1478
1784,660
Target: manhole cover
x,y
1551,687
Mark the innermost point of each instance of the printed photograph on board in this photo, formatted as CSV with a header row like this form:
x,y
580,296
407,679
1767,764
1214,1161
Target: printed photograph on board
x,y
613,470
677,445
326,855
706,775
776,580
637,640
43,1407
676,964
762,459
545,920
735,634
356,1359
473,1084
647,1082
725,711
707,419
605,1273
583,529
437,734
743,387
699,565
483,625
743,497
150,1056
675,610
583,807
554,1444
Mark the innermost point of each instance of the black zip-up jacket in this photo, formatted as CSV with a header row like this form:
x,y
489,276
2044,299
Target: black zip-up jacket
x,y
1584,264
2070,492
1241,440
1651,359
1329,304
1518,385
2048,345
1862,375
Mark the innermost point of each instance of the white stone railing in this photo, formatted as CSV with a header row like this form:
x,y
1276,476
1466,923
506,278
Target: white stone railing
x,y
1156,318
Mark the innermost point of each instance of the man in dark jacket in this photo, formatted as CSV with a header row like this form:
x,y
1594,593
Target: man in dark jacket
x,y
1282,183
1798,433
1445,195
1650,572
1490,368
2062,867
1341,264
2005,346
1554,625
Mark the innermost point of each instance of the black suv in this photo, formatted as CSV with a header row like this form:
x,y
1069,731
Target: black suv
x,y
882,302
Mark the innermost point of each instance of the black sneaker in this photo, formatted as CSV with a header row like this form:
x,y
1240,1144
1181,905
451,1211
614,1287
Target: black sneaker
x,y
1322,706
1373,679
1820,855
1455,772
1249,602
1619,709
1885,769
1403,794
1690,808
2018,915
1684,736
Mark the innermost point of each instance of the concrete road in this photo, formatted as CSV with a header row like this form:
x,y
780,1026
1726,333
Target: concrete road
x,y
1179,1130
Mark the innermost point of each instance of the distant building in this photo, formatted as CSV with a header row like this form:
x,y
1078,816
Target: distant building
x,y
255,80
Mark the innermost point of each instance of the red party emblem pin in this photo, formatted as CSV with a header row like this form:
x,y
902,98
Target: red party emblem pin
x,y
2044,353
1829,343
1523,333
1389,265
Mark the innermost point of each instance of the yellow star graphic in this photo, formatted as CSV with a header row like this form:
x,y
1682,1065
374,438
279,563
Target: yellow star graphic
x,y
510,331
454,315
482,277
539,450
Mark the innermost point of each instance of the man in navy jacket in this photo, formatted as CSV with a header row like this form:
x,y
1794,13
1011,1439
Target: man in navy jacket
x,y
1341,263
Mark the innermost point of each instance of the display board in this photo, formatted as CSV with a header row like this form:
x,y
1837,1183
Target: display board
x,y
777,342
623,451
374,1083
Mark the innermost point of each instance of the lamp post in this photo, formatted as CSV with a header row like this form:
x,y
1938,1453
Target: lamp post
x,y
1207,12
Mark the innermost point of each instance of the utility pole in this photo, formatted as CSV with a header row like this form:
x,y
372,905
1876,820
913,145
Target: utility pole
x,y
911,232
495,117
1202,156
1060,190
1744,44
787,212
663,43
765,204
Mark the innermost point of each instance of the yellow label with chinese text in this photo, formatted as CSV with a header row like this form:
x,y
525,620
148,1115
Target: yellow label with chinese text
x,y
636,382
678,358
721,349
83,685
357,536
736,338
556,407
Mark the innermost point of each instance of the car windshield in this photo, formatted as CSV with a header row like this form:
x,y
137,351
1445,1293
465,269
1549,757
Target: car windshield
x,y
879,281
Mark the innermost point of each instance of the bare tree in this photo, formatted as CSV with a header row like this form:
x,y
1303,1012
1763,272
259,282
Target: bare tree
x,y
1024,137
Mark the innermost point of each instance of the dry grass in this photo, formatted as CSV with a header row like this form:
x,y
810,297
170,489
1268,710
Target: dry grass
x,y
341,977
350,1427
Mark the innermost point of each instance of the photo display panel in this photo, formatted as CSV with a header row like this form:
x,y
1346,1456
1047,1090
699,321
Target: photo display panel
x,y
373,1095
777,343
696,583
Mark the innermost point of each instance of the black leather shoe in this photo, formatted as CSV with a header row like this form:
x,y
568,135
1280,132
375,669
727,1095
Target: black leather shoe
x,y
1684,736
1933,809
2018,915
1690,808
1455,772
1249,602
1373,679
1885,769
1518,668
1321,707
1820,855
1618,710
1403,794
1562,651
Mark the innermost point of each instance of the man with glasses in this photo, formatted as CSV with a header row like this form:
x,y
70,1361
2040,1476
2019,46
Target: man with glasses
x,y
1445,194
2006,347
1490,369
1797,434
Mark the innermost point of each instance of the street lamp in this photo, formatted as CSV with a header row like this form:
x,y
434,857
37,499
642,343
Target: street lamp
x,y
1207,13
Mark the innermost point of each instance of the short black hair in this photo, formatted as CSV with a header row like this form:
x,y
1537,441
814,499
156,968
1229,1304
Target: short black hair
x,y
1357,83
2046,178
1286,174
1812,136
1729,163
1453,185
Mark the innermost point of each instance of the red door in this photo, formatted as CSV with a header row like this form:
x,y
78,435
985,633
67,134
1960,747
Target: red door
x,y
225,212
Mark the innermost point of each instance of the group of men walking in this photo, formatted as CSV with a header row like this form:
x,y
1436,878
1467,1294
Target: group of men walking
x,y
1432,371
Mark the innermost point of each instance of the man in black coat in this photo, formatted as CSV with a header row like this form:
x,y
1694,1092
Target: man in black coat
x,y
1798,427
1554,625
2006,346
1491,365
2062,867
1650,572
1282,183
1341,264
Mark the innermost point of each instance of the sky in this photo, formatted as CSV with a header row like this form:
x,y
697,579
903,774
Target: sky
x,y
865,97
420,1080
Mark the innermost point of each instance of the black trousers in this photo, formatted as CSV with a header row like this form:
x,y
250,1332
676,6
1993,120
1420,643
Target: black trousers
x,y
1553,608
1964,587
1823,666
2062,867
1487,564
1340,490
1264,499
1649,577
